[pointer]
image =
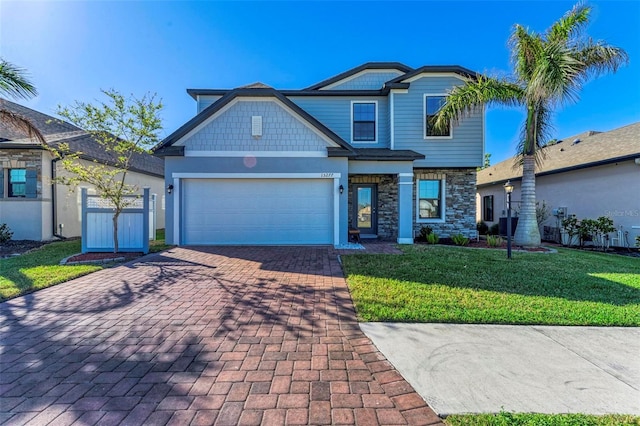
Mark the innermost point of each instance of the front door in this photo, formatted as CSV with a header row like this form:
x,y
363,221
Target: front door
x,y
365,209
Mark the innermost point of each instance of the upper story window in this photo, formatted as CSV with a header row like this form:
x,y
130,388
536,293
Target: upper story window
x,y
430,198
17,183
364,121
432,104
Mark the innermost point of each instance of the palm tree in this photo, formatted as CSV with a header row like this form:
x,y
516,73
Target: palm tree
x,y
549,70
14,83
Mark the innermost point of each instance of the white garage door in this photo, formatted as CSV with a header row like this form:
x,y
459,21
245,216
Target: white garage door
x,y
258,211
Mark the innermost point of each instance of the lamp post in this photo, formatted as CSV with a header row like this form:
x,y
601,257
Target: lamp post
x,y
508,188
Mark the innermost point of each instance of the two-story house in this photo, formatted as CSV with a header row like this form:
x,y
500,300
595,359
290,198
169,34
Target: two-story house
x,y
258,165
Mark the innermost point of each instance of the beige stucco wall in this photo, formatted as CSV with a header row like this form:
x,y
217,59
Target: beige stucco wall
x,y
31,218
28,218
69,209
612,190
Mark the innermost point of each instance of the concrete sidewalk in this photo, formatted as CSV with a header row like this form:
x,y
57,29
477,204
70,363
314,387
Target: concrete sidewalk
x,y
489,368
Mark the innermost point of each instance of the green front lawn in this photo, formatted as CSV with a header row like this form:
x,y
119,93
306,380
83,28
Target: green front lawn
x,y
458,285
530,419
40,268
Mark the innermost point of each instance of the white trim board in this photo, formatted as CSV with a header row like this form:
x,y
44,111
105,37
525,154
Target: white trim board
x,y
257,154
327,175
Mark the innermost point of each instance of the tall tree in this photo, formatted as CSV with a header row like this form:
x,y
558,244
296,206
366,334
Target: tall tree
x,y
549,69
15,84
123,128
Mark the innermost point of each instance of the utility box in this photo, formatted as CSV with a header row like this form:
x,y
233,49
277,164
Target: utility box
x,y
560,212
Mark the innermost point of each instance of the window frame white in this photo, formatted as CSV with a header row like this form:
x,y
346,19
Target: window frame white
x,y
375,140
424,118
443,202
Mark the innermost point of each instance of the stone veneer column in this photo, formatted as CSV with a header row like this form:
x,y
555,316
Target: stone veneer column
x,y
405,208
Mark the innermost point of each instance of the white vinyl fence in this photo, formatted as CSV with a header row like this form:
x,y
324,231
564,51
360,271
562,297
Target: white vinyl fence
x,y
134,224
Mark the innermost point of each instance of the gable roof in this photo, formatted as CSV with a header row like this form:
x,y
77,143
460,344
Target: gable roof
x,y
592,149
56,131
433,69
165,147
367,66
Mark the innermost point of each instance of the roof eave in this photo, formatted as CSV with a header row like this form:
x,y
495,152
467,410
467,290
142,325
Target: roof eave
x,y
568,169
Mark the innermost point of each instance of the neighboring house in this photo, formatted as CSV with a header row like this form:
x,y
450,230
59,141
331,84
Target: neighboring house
x,y
258,165
592,174
34,207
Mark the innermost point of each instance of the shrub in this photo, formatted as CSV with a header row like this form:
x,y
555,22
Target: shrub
x,y
433,238
5,233
638,241
494,241
494,229
482,228
460,240
425,231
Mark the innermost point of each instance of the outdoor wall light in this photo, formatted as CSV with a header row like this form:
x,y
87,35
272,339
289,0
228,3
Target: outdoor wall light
x,y
169,189
341,189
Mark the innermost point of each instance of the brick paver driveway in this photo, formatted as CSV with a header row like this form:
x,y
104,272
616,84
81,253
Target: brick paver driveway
x,y
200,336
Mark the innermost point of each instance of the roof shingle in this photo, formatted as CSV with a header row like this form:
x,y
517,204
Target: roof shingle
x,y
593,148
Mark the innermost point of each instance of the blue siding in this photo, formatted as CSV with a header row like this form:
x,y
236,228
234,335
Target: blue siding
x,y
231,131
335,113
465,149
369,80
205,101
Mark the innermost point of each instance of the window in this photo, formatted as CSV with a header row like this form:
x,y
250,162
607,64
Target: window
x,y
364,121
430,199
487,208
432,104
17,183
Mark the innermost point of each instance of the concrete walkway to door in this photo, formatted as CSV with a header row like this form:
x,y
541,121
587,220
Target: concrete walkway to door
x,y
200,336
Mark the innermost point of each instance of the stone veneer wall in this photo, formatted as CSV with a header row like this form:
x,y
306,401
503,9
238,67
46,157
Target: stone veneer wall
x,y
387,203
460,194
22,159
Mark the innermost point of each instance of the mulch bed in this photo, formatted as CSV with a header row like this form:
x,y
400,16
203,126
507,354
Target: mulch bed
x,y
483,244
15,247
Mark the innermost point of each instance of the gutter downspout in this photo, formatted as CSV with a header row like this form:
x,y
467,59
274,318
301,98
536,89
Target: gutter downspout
x,y
54,210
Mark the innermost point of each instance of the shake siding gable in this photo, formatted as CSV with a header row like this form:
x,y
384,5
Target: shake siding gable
x,y
231,131
463,149
335,113
367,81
205,101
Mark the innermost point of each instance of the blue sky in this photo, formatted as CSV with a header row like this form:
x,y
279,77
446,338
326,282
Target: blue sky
x,y
72,49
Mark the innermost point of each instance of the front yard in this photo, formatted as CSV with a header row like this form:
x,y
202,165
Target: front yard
x,y
458,285
41,267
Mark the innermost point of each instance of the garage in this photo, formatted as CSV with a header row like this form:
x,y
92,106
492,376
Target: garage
x,y
258,211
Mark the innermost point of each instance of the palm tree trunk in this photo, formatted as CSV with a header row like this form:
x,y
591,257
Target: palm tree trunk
x,y
527,233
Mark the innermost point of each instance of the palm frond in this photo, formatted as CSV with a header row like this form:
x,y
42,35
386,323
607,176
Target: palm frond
x,y
21,124
525,49
599,58
464,100
557,76
570,25
14,82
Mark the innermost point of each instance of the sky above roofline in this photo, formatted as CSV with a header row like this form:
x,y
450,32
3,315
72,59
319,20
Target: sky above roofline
x,y
73,49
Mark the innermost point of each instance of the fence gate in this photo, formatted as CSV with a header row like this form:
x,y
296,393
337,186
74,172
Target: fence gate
x,y
133,224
